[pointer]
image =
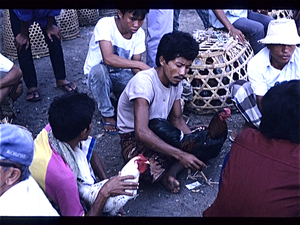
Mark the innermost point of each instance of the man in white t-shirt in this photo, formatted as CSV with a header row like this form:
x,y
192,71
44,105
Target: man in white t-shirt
x,y
278,61
10,86
113,58
155,93
20,195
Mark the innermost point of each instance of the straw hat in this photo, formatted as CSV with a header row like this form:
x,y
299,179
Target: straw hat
x,y
281,31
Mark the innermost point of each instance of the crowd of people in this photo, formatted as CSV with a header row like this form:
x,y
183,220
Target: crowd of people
x,y
58,173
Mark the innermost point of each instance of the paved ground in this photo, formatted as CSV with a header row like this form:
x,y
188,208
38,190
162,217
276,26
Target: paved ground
x,y
154,200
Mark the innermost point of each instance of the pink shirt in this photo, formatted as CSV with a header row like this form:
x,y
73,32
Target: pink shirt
x,y
55,176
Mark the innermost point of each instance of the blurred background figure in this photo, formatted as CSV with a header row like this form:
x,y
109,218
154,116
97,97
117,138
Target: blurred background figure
x,y
159,22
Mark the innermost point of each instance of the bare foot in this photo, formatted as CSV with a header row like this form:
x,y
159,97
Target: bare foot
x,y
171,184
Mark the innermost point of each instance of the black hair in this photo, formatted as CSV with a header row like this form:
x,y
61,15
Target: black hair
x,y
136,12
70,114
177,44
281,112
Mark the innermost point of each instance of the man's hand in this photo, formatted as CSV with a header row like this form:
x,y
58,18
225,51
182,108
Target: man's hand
x,y
116,186
237,34
21,40
190,161
53,30
144,66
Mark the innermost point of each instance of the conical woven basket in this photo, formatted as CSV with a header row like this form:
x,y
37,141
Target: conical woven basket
x,y
68,22
87,17
39,47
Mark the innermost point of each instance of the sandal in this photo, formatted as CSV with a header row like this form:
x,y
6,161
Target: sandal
x,y
35,96
111,125
69,87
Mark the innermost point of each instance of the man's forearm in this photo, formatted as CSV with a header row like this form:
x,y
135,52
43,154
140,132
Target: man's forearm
x,y
222,18
11,78
25,28
50,20
98,205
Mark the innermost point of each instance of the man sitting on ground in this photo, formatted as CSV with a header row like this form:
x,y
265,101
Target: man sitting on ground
x,y
20,195
155,93
10,87
277,62
64,163
113,58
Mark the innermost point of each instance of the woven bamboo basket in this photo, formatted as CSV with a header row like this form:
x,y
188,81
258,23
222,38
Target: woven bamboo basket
x,y
68,22
282,13
107,12
39,47
221,61
87,17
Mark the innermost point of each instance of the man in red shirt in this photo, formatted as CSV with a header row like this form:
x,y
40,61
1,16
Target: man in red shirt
x,y
261,176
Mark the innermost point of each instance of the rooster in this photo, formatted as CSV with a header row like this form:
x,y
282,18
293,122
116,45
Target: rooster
x,y
135,167
205,143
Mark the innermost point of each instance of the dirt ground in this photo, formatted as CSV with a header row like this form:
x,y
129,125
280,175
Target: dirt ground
x,y
153,200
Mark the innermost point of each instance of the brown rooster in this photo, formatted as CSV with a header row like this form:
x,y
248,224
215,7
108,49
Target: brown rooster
x,y
205,144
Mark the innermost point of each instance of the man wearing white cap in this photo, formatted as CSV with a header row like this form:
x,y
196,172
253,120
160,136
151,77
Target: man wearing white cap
x,y
20,195
278,61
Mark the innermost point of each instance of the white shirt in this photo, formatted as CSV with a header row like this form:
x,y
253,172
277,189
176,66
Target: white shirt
x,y
262,75
5,65
86,174
26,198
147,85
232,16
106,29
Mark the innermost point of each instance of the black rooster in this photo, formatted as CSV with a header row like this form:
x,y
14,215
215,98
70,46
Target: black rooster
x,y
204,144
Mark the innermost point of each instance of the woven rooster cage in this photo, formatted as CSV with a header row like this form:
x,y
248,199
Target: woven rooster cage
x,y
39,47
68,22
221,61
87,17
282,13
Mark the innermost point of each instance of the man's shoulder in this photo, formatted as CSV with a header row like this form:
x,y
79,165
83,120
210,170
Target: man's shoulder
x,y
146,75
104,22
260,59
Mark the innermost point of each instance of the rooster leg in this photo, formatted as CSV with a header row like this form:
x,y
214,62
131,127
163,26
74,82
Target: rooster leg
x,y
208,181
194,176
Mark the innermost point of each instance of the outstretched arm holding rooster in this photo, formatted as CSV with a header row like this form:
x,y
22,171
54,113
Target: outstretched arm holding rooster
x,y
113,187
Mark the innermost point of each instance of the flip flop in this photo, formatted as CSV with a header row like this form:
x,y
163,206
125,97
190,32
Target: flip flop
x,y
66,87
111,125
34,98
